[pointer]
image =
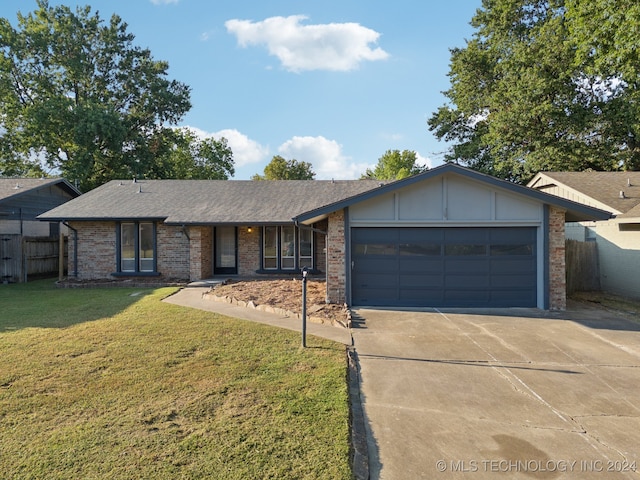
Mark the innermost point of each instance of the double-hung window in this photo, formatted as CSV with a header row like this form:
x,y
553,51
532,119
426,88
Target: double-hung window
x,y
286,248
136,247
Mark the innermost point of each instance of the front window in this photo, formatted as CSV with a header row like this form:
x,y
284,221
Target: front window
x,y
286,248
136,247
270,248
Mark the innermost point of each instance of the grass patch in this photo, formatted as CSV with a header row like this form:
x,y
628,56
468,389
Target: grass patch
x,y
627,307
148,389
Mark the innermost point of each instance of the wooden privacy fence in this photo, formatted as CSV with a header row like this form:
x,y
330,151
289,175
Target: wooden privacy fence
x,y
24,257
583,272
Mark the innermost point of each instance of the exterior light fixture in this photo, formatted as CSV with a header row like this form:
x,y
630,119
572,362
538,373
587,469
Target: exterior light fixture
x,y
249,229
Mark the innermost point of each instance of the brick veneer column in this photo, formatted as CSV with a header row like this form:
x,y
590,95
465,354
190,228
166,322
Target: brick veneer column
x,y
557,266
336,273
200,252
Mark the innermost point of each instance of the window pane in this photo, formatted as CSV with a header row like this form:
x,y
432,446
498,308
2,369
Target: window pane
x,y
511,249
288,242
374,249
306,243
288,263
127,247
270,247
305,249
465,249
287,247
420,249
146,247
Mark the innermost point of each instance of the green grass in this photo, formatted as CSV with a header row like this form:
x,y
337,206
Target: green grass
x,y
114,384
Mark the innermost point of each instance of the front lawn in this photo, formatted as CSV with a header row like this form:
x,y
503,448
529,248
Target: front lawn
x,y
114,384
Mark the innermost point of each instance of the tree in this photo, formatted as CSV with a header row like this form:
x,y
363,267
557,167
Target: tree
x,y
281,169
193,158
522,100
394,165
76,92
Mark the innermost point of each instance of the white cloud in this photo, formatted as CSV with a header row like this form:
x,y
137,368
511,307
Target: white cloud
x,y
333,46
423,161
163,2
245,151
325,156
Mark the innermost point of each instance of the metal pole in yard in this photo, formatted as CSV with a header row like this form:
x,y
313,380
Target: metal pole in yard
x,y
304,307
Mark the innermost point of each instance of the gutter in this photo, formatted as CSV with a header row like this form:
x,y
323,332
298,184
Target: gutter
x,y
75,248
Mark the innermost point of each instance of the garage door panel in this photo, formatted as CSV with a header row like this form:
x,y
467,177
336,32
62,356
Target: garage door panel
x,y
377,280
421,265
467,265
510,297
513,282
374,295
467,298
382,265
513,265
448,267
420,281
478,280
420,296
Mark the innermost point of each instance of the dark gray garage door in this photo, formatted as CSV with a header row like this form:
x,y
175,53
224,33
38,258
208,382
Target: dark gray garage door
x,y
444,267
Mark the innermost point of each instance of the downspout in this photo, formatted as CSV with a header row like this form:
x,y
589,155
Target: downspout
x,y
75,248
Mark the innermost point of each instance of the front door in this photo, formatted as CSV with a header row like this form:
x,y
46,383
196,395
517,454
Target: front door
x,y
225,251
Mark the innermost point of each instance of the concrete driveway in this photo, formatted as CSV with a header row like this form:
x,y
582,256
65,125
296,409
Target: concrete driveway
x,y
512,393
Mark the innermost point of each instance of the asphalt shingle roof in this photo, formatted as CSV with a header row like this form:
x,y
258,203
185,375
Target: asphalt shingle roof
x,y
605,187
208,201
10,187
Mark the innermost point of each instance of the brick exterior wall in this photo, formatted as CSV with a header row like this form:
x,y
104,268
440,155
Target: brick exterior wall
x,y
557,266
173,252
96,250
248,251
336,271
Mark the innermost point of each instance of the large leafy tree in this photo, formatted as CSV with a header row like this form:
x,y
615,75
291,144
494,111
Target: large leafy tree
x,y
524,99
281,169
77,96
394,165
193,158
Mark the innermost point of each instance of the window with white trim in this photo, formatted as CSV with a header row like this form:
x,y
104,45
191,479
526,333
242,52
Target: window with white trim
x,y
286,248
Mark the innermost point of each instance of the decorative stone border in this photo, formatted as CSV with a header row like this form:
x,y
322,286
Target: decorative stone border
x,y
346,323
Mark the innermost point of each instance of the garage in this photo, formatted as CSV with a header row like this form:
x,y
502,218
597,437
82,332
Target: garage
x,y
444,266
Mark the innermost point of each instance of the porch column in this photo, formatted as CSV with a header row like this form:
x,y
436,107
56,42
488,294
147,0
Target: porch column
x,y
557,264
200,253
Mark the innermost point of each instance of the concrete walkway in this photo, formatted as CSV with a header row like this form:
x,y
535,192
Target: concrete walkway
x,y
191,296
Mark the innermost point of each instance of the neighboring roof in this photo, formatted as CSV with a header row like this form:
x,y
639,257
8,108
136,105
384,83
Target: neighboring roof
x,y
14,187
603,188
574,211
207,201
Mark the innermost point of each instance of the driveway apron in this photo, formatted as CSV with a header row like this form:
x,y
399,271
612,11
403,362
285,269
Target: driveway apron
x,y
517,393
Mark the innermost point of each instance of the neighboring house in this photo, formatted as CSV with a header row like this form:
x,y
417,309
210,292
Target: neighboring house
x,y
21,201
618,239
449,237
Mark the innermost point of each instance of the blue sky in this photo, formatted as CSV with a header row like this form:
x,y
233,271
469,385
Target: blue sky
x,y
334,82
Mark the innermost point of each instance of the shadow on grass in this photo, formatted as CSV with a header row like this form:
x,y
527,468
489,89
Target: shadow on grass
x,y
41,304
